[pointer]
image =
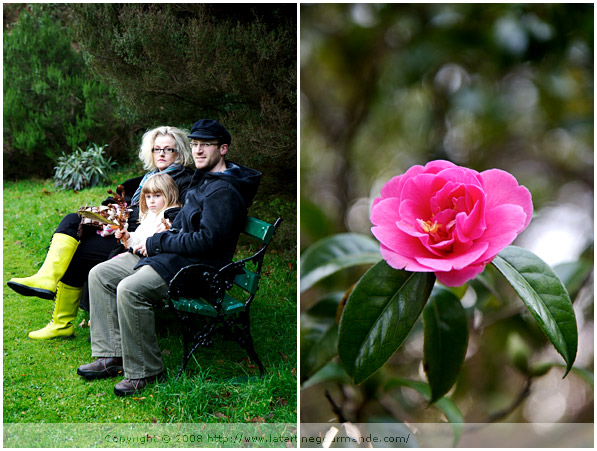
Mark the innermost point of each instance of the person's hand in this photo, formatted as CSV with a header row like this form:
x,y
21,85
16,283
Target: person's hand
x,y
140,250
161,227
122,234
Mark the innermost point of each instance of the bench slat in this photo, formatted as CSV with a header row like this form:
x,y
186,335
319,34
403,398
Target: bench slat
x,y
202,307
249,281
258,229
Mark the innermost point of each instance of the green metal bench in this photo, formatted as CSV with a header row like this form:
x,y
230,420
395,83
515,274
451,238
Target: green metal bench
x,y
203,300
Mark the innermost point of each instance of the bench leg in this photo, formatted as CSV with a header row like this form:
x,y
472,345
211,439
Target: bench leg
x,y
253,354
185,360
196,340
186,326
244,339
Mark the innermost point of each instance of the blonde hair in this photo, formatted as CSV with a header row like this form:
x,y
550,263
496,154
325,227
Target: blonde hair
x,y
162,184
184,157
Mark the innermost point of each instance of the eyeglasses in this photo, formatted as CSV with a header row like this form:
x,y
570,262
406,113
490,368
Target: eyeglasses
x,y
202,145
165,150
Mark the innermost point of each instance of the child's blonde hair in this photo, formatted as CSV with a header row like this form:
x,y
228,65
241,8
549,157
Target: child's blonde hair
x,y
162,184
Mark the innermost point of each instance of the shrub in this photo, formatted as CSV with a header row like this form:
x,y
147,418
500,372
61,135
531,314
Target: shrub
x,y
176,63
52,104
83,169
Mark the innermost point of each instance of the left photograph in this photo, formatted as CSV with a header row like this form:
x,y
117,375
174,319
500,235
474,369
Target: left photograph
x,y
150,216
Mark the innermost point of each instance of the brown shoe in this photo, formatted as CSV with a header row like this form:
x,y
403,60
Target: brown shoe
x,y
103,367
128,387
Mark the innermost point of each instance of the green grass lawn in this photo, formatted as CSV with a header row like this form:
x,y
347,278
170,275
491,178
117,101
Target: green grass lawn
x,y
40,380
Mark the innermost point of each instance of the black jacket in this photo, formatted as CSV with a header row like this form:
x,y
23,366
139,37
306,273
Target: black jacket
x,y
207,227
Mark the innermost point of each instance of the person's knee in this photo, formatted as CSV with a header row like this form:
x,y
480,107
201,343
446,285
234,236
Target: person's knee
x,y
130,293
69,225
93,277
96,276
136,291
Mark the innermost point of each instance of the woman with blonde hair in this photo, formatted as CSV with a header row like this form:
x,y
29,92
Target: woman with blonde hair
x,y
75,250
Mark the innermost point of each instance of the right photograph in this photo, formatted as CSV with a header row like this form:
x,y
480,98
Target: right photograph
x,y
446,225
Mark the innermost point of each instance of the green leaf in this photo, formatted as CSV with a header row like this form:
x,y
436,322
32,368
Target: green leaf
x,y
541,368
319,334
446,338
335,253
544,295
378,316
324,350
332,372
446,405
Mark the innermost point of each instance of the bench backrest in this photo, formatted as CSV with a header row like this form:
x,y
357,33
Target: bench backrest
x,y
262,232
259,230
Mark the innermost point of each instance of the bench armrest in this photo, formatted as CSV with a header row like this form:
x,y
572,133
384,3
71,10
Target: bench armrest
x,y
204,281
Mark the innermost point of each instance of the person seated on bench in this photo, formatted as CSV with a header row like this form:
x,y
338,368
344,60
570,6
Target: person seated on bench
x,y
123,290
158,195
74,250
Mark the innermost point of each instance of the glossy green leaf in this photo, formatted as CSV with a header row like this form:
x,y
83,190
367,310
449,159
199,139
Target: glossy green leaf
x,y
446,405
544,295
378,316
335,253
319,334
332,372
446,338
324,350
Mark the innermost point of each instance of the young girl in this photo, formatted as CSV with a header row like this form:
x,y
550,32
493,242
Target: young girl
x,y
159,193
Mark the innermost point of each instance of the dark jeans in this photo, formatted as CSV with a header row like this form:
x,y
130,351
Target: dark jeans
x,y
93,249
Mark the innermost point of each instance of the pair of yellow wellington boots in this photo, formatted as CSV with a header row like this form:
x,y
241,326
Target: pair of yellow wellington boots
x,y
46,285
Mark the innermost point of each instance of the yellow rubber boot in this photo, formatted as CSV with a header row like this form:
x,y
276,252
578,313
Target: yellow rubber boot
x,y
65,312
43,284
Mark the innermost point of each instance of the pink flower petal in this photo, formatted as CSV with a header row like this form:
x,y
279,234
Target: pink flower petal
x,y
398,261
460,175
502,188
385,212
504,223
458,278
455,261
398,241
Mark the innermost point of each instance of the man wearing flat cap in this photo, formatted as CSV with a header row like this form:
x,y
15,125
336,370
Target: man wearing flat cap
x,y
123,290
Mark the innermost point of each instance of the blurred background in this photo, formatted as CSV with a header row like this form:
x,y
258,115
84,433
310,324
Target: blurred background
x,y
384,87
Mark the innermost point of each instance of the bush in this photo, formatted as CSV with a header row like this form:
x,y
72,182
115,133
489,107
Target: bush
x,y
83,169
175,63
52,104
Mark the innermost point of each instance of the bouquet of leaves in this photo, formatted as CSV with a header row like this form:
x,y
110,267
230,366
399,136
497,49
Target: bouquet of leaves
x,y
108,218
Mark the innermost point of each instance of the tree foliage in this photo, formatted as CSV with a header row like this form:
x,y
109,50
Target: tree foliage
x,y
52,104
176,63
385,86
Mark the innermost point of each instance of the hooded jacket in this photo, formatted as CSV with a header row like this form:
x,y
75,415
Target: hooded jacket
x,y
207,227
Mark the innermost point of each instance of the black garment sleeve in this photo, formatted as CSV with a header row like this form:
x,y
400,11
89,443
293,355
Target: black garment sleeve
x,y
215,223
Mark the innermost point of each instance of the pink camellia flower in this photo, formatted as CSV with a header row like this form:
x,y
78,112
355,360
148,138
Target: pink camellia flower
x,y
448,219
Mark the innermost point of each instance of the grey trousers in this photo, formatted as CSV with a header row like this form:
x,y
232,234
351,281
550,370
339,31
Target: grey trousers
x,y
121,304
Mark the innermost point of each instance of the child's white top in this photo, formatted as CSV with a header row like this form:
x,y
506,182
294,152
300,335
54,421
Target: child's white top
x,y
146,228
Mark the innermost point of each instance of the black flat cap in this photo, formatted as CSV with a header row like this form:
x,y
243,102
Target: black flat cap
x,y
210,129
